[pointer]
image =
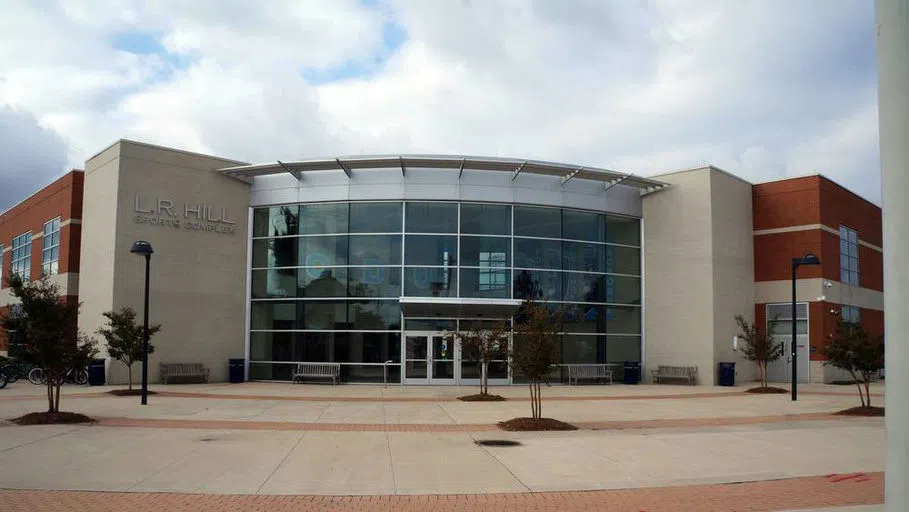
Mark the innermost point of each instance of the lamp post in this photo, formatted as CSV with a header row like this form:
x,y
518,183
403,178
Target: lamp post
x,y
143,248
807,259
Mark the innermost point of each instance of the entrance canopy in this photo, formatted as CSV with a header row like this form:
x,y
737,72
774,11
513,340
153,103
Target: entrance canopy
x,y
430,307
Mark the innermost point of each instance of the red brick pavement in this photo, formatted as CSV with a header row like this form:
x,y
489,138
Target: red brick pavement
x,y
451,427
764,496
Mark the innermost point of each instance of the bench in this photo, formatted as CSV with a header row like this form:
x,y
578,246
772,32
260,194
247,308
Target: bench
x,y
183,370
588,371
318,370
690,373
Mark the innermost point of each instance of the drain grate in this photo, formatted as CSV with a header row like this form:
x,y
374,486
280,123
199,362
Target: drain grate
x,y
497,442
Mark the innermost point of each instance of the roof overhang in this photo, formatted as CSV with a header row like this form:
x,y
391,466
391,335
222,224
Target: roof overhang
x,y
516,167
430,307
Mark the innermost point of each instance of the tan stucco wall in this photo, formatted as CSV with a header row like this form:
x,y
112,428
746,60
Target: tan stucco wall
x,y
733,267
678,283
198,278
809,290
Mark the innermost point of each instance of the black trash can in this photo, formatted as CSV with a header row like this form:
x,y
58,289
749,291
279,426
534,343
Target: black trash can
x,y
727,374
96,372
631,372
236,368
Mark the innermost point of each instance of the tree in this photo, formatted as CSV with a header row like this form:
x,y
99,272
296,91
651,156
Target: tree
x,y
484,346
534,351
124,338
45,324
759,347
854,350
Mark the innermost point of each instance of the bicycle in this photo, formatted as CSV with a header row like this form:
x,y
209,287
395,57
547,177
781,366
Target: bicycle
x,y
2,380
15,371
79,377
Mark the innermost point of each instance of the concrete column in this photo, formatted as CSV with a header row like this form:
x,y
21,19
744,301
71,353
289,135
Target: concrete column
x,y
893,106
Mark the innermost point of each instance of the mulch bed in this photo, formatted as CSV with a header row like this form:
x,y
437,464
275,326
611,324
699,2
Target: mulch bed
x,y
482,398
862,411
129,392
769,390
535,425
52,418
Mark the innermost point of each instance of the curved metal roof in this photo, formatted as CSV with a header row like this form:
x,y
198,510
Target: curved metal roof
x,y
515,166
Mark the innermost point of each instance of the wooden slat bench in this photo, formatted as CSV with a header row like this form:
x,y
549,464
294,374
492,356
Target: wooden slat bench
x,y
318,370
663,372
183,370
588,371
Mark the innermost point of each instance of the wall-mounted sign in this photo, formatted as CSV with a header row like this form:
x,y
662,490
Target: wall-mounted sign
x,y
190,216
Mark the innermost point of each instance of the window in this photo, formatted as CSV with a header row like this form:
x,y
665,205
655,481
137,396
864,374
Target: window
x,y
849,270
851,314
22,255
50,254
779,318
432,218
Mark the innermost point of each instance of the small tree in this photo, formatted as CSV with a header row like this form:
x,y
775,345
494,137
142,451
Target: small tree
x,y
45,324
124,338
534,351
854,350
484,346
758,347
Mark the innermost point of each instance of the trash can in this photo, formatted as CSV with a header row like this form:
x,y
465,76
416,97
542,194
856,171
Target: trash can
x,y
727,374
96,372
631,372
236,368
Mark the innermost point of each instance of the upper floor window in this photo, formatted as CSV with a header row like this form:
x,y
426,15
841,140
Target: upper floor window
x,y
22,255
851,314
50,254
849,269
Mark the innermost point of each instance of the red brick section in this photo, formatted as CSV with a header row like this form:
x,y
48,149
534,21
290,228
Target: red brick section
x,y
785,203
853,489
773,255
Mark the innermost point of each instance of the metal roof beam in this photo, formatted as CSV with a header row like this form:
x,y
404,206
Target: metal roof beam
x,y
461,168
650,190
571,175
403,168
295,174
612,183
345,169
518,170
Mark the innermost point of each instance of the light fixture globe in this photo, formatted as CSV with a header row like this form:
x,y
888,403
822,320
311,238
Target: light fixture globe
x,y
142,248
810,259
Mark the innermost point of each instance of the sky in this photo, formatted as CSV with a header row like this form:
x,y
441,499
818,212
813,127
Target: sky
x,y
764,89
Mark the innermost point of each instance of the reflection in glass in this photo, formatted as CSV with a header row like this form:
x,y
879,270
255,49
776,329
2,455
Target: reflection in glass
x,y
623,260
323,314
485,219
586,257
274,252
375,250
584,287
584,318
430,282
438,250
431,217
375,217
531,253
276,221
623,320
535,221
484,251
486,282
322,251
623,230
375,315
275,315
374,282
623,290
583,349
267,283
577,225
322,282
430,324
538,285
623,348
323,218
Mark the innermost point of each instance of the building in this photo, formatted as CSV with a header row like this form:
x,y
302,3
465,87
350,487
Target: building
x,y
367,261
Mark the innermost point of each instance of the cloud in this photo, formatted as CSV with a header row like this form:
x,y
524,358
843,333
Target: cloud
x,y
32,156
764,89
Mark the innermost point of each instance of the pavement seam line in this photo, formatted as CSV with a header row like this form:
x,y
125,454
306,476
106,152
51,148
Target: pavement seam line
x,y
73,429
391,461
164,467
510,472
283,460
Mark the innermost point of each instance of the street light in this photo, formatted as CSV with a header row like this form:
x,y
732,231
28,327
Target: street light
x,y
807,259
143,248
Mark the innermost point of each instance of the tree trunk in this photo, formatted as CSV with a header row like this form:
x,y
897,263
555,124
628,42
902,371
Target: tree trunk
x,y
859,386
50,395
484,384
57,398
539,401
868,391
129,372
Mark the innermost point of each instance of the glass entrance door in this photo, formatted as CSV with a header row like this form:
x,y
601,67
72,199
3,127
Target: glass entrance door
x,y
429,359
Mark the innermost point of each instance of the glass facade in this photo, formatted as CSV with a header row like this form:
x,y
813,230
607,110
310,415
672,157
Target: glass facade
x,y
326,278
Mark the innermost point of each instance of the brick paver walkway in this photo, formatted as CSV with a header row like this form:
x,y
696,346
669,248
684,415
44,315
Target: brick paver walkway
x,y
795,493
451,427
